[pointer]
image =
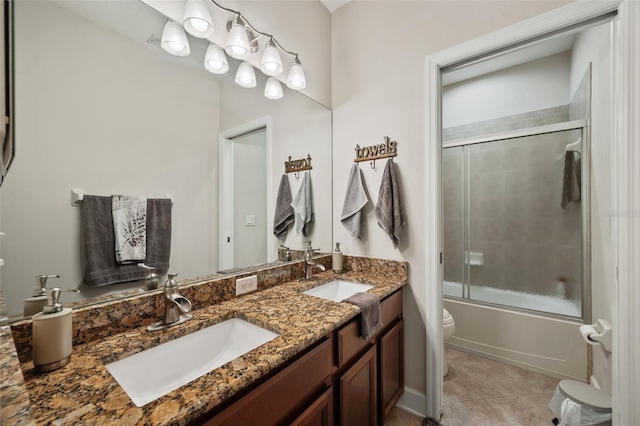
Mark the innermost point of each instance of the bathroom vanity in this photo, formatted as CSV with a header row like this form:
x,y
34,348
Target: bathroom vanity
x,y
318,369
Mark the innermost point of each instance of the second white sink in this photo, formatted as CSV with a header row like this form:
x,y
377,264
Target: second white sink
x,y
337,290
150,374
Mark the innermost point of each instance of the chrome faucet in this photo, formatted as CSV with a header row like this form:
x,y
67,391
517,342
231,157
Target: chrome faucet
x,y
309,264
176,306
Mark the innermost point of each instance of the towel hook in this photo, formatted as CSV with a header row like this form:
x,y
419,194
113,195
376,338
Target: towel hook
x,y
297,175
372,163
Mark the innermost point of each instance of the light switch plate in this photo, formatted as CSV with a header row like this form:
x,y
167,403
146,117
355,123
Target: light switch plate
x,y
250,220
246,284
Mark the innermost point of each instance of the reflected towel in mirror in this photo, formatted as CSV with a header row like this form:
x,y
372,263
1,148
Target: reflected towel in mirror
x,y
303,206
284,215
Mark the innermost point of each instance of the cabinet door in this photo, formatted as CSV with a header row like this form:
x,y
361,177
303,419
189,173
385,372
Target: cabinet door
x,y
358,392
391,350
319,413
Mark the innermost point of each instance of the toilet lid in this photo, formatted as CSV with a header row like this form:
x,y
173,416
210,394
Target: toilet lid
x,y
447,319
586,395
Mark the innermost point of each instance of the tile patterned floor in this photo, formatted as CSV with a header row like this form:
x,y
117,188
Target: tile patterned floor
x,y
482,392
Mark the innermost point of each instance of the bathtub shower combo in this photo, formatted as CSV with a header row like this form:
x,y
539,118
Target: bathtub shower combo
x,y
515,216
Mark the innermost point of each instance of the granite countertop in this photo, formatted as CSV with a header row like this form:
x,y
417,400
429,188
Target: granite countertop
x,y
84,392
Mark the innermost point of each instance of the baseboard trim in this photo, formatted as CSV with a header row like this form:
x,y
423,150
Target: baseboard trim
x,y
413,402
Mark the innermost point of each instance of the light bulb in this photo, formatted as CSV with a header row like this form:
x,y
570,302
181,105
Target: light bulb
x,y
273,89
174,39
197,19
237,45
271,63
295,78
246,76
215,61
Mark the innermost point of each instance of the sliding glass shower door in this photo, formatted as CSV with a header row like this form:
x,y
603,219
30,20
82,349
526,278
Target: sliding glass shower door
x,y
513,222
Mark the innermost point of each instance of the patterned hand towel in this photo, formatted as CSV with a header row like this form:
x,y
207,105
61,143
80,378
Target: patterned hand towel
x,y
284,212
303,207
389,209
100,264
129,227
354,201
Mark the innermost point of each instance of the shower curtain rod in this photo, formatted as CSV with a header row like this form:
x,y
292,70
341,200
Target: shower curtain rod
x,y
530,131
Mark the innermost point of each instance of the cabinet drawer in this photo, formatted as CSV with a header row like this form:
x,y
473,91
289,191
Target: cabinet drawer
x,y
350,341
285,394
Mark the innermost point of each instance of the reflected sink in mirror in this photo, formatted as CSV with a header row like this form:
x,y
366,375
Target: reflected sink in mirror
x,y
337,290
155,372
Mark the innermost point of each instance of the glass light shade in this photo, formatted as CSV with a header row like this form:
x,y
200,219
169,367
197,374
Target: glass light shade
x,y
295,78
271,63
197,19
273,89
237,45
215,61
246,76
174,39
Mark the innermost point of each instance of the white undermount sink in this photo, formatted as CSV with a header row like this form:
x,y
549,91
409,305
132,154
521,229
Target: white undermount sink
x,y
154,372
337,290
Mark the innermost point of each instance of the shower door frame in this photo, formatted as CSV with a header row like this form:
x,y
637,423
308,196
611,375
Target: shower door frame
x,y
584,126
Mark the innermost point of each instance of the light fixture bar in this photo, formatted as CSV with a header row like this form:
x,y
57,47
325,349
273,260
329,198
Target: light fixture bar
x,y
252,28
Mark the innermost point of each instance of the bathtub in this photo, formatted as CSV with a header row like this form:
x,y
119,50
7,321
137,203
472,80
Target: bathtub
x,y
544,344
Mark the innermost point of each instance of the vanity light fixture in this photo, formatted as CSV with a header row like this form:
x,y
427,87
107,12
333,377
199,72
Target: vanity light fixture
x,y
197,19
215,61
271,63
273,89
295,78
174,40
246,76
241,42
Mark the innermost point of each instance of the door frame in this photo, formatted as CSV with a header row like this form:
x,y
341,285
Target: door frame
x,y
225,193
626,231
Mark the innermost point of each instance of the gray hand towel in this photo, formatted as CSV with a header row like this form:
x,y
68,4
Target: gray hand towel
x,y
389,209
369,304
284,212
354,200
130,227
571,178
303,206
101,266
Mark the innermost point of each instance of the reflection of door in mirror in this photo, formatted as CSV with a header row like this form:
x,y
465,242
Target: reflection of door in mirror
x,y
243,200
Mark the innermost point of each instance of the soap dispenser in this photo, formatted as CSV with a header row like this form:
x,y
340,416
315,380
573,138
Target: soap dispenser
x,y
52,334
336,261
35,304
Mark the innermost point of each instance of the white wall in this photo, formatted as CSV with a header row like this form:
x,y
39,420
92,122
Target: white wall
x,y
593,46
303,27
298,127
250,198
523,88
110,115
379,51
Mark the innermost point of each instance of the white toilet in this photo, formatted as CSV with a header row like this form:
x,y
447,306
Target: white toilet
x,y
449,327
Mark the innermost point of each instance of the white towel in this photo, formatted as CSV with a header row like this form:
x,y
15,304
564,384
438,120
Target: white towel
x,y
354,200
389,209
303,207
129,227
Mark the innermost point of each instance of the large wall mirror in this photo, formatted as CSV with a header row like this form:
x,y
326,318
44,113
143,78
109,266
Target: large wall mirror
x,y
101,107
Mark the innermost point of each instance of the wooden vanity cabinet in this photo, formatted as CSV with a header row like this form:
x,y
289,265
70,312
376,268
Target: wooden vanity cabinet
x,y
370,373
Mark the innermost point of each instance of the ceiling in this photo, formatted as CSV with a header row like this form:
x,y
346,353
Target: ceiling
x,y
334,5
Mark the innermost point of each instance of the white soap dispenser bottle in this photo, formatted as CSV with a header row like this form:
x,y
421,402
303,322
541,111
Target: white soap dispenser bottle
x,y
52,334
35,304
337,259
